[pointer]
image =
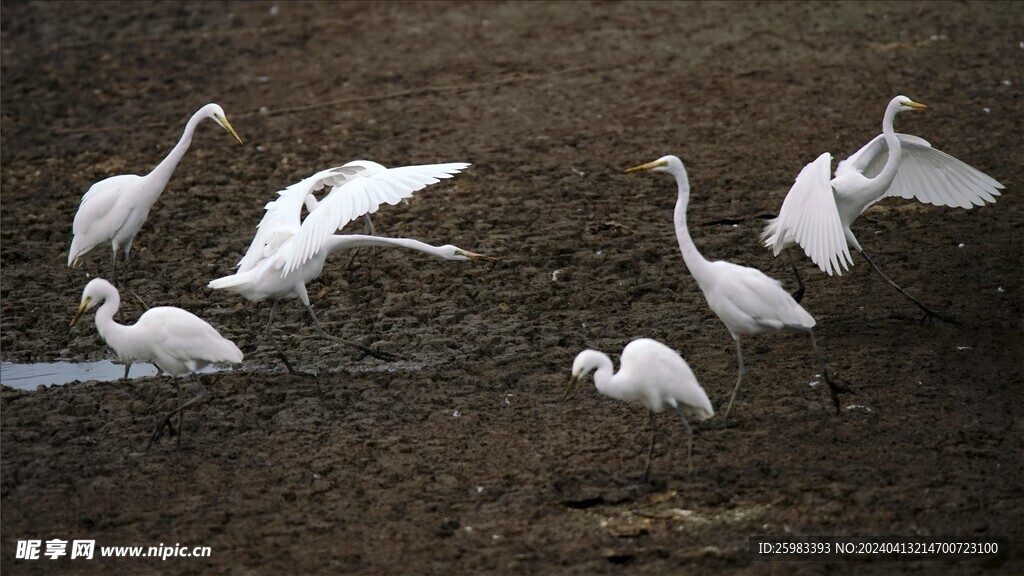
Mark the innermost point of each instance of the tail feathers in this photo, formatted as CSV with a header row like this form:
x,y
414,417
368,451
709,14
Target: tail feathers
x,y
771,236
231,281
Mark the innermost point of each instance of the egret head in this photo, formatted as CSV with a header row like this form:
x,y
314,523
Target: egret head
x,y
449,252
585,363
215,112
904,104
96,291
668,163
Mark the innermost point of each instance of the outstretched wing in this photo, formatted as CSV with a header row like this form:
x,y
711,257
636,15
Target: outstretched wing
x,y
926,174
282,217
934,177
358,196
810,218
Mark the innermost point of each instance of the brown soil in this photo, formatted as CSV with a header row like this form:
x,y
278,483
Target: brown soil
x,y
463,457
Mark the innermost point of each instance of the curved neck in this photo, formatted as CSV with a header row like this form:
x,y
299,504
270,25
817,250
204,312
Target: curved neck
x,y
604,375
340,242
695,262
888,172
105,323
162,173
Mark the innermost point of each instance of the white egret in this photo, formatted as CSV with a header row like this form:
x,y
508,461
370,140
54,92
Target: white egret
x,y
286,253
746,300
653,375
113,210
817,213
176,341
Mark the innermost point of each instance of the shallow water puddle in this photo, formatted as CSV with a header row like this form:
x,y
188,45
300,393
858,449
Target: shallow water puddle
x,y
31,376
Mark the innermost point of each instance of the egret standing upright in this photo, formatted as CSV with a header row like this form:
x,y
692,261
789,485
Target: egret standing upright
x,y
113,210
817,213
746,300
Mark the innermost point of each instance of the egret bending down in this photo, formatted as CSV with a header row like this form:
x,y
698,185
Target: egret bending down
x,y
746,300
113,210
817,213
286,253
176,341
653,375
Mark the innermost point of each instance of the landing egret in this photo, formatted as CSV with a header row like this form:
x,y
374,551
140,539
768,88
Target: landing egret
x,y
746,300
653,375
817,214
286,253
113,210
176,341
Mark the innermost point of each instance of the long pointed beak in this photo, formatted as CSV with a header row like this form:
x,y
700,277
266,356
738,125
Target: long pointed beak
x,y
572,383
475,256
917,106
647,166
81,308
227,126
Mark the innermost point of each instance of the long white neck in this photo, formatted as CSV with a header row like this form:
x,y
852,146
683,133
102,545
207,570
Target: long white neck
x,y
695,262
888,173
162,173
114,334
340,242
604,375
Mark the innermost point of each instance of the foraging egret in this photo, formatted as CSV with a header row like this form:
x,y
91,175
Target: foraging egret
x,y
817,214
652,374
113,210
286,253
176,341
746,300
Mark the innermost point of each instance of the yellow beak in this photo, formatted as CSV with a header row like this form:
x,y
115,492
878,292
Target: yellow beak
x,y
572,383
227,126
475,256
81,308
917,105
647,166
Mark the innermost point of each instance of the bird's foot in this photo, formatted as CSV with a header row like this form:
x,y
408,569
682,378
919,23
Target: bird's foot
x,y
165,422
291,369
379,354
929,313
834,389
798,295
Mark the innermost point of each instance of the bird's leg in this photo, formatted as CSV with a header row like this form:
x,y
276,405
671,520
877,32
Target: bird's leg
x,y
375,353
165,422
689,440
181,415
833,387
271,322
928,312
370,230
799,294
742,371
284,359
127,365
650,449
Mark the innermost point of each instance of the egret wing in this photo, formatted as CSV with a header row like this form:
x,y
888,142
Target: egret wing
x,y
99,216
809,215
359,196
282,217
934,177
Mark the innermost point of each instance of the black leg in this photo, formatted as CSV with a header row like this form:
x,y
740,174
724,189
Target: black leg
x,y
834,388
799,294
650,449
928,312
689,441
375,353
742,371
165,422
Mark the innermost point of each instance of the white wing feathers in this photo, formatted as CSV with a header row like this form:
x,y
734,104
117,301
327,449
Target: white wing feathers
x,y
810,218
354,196
926,174
282,216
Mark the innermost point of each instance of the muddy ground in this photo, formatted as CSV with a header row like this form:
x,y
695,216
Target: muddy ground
x,y
463,457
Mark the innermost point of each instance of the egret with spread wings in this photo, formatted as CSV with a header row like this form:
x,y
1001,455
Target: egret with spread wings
x,y
287,251
817,213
